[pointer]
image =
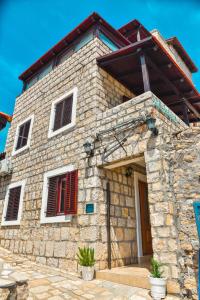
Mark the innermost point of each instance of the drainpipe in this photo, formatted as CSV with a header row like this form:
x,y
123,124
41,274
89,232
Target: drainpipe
x,y
108,223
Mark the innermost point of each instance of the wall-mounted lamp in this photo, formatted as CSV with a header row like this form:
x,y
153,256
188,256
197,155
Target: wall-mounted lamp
x,y
89,148
151,125
129,171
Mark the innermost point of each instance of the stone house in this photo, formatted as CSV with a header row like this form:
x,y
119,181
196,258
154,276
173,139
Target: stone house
x,y
103,151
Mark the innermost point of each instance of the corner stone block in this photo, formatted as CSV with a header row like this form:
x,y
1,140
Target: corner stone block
x,y
157,219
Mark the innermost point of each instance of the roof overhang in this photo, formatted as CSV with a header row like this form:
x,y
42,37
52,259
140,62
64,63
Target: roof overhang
x,y
183,54
167,80
92,20
130,31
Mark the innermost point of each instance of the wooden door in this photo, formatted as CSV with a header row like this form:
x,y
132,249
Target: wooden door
x,y
145,219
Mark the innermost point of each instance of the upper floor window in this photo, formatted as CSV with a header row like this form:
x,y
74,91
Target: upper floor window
x,y
108,42
63,113
59,199
13,204
42,73
23,135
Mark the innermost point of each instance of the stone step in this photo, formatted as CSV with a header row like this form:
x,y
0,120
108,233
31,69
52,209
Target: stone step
x,y
135,276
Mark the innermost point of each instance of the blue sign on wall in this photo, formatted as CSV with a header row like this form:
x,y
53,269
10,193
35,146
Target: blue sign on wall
x,y
89,208
197,215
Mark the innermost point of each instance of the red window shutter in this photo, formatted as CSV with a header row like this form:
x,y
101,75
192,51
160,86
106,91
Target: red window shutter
x,y
13,204
67,111
52,197
71,192
58,116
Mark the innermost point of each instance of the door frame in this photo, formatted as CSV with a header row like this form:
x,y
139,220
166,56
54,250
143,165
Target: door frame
x,y
138,177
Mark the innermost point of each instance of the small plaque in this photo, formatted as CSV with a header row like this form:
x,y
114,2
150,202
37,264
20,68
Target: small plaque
x,y
196,206
89,208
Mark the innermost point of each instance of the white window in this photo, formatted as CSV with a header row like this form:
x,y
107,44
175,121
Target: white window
x,y
13,204
59,198
63,113
23,135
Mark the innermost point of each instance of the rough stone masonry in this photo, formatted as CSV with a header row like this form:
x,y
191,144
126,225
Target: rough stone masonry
x,y
171,168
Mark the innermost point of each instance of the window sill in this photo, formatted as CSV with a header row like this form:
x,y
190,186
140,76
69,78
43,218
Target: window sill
x,y
15,152
10,223
66,128
57,219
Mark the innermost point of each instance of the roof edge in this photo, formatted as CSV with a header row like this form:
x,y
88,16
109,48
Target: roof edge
x,y
174,41
72,35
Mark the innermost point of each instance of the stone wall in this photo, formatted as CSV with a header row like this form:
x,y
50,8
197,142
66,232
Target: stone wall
x,y
56,244
185,160
98,94
161,199
123,219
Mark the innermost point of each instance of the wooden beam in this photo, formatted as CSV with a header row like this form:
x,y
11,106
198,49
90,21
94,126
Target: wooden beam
x,y
193,101
160,73
145,73
170,95
192,108
175,103
130,72
115,59
185,113
138,34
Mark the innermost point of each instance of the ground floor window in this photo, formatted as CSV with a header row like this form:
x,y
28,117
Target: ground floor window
x,y
13,204
60,190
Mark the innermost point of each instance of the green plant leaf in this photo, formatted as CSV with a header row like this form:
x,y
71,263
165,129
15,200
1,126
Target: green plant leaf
x,y
86,256
156,271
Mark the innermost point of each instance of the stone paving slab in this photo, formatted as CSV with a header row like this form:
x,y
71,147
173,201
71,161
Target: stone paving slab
x,y
47,283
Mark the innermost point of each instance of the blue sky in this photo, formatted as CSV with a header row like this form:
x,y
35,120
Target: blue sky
x,y
28,28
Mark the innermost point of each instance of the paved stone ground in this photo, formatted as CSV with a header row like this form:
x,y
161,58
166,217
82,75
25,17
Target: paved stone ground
x,y
54,284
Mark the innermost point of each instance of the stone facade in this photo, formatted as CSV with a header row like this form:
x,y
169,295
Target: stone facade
x,y
100,106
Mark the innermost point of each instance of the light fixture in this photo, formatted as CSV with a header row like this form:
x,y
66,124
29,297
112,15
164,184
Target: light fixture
x,y
151,125
129,171
89,148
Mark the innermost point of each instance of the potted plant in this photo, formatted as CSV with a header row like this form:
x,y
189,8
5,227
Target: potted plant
x,y
157,281
86,261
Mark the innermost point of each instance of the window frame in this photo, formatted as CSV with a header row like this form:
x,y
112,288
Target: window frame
x,y
59,218
51,132
14,152
11,186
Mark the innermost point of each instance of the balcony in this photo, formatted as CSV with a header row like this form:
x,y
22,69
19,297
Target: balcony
x,y
144,66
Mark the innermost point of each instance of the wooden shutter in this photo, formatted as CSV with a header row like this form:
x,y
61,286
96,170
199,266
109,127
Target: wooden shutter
x,y
52,197
26,132
13,204
67,111
71,192
63,113
58,116
20,137
23,135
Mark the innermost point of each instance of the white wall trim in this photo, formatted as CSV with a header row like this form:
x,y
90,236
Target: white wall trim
x,y
69,126
137,177
15,222
57,219
14,152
